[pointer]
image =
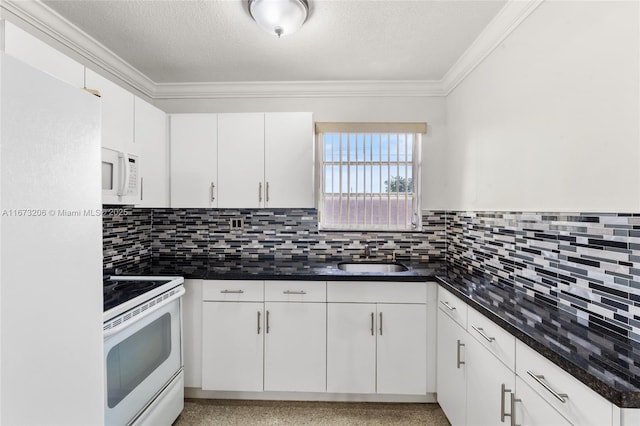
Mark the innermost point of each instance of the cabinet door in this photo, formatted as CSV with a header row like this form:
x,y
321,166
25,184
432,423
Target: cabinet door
x,y
295,347
232,346
289,160
532,410
241,160
194,156
351,348
117,114
487,402
150,126
30,50
452,370
402,349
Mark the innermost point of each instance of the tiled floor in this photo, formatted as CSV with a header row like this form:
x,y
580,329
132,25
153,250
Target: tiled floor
x,y
236,412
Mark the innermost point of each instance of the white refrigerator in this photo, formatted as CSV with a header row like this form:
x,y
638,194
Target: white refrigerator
x,y
51,357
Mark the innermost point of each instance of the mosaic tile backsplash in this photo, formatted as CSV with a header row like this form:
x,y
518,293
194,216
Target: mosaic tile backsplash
x,y
282,233
586,264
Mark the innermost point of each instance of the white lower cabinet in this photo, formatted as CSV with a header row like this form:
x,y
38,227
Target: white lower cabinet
x,y
531,409
377,338
452,368
401,349
351,348
295,346
490,385
488,377
232,347
267,336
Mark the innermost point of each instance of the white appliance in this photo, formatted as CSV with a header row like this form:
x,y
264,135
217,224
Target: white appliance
x,y
120,177
144,379
51,367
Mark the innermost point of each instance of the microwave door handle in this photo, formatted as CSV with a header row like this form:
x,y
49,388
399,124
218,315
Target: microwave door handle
x,y
110,332
125,181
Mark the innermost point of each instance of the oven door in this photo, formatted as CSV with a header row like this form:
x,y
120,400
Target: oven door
x,y
140,360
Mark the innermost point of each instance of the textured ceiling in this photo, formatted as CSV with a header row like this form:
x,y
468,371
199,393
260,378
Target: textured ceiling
x,y
216,40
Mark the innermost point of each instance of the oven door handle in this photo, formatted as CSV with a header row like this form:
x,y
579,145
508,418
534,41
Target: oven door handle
x,y
110,332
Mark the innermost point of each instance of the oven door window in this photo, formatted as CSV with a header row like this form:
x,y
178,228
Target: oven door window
x,y
135,358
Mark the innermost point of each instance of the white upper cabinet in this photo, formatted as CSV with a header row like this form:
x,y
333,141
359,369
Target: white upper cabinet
x,y
288,140
194,160
241,160
29,49
117,114
151,137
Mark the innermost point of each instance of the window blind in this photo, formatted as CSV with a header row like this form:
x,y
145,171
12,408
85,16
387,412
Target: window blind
x,y
370,175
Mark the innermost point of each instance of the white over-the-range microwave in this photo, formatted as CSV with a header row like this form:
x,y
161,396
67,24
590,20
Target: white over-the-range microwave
x,y
120,177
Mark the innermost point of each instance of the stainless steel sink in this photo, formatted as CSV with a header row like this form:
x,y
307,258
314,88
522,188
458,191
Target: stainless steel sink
x,y
376,267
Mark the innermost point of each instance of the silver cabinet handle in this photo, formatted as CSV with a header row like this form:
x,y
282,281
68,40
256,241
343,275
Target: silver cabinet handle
x,y
267,192
483,334
448,306
459,362
232,291
258,322
381,323
259,192
503,403
513,409
213,187
267,326
141,188
294,292
373,319
562,397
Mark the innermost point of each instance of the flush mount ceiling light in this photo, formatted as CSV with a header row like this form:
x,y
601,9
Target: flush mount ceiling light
x,y
279,17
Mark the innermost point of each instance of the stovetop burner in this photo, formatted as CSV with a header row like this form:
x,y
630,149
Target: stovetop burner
x,y
120,291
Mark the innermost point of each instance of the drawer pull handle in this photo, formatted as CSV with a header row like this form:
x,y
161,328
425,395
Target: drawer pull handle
x,y
258,322
232,291
381,323
448,306
513,409
459,362
562,397
372,323
294,292
503,403
483,334
267,326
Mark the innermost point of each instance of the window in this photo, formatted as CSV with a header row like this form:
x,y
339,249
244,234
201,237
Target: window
x,y
369,175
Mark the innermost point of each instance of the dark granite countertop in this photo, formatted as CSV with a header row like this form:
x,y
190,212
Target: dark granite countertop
x,y
273,269
607,363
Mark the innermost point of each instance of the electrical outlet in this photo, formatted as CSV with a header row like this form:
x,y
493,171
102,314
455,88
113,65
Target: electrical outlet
x,y
236,223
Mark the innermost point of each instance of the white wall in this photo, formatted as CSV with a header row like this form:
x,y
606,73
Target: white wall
x,y
550,120
429,109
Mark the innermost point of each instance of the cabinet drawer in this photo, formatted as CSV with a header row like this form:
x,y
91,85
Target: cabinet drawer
x,y
493,337
295,291
376,292
233,291
452,306
571,398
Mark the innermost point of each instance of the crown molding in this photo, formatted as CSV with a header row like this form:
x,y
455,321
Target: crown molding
x,y
48,23
297,89
504,23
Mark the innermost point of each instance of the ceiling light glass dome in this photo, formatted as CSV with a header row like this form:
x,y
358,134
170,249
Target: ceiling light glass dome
x,y
279,17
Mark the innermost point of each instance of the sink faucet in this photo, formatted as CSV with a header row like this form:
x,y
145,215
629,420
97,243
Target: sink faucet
x,y
367,251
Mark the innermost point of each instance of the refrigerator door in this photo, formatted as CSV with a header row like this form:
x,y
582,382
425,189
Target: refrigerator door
x,y
51,368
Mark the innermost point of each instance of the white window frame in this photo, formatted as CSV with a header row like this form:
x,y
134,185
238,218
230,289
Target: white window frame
x,y
418,130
